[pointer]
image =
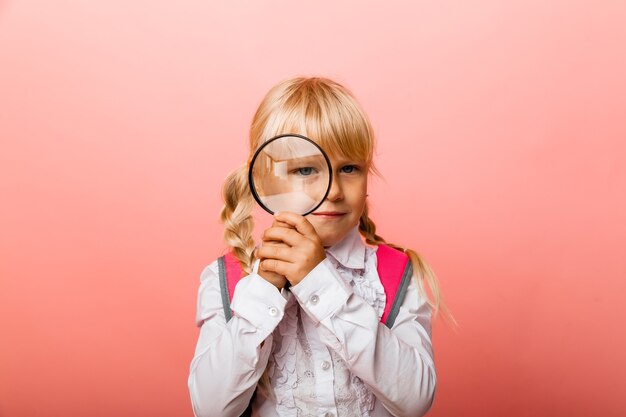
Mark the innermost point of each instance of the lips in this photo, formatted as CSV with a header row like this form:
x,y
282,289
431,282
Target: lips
x,y
329,213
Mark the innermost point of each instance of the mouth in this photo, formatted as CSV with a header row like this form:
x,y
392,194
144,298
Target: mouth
x,y
328,214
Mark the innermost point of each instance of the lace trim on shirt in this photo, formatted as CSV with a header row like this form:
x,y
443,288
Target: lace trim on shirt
x,y
347,398
292,370
283,360
371,290
304,391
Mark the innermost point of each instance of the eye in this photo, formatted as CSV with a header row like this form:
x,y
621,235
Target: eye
x,y
304,171
349,169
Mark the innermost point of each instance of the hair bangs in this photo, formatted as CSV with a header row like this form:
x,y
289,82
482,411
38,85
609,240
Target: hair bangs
x,y
320,109
332,121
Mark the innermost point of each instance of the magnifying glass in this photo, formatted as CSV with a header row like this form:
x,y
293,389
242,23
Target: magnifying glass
x,y
290,172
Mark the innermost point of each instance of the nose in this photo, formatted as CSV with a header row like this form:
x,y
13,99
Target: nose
x,y
335,193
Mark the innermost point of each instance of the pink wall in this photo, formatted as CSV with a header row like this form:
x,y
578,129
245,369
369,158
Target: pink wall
x,y
501,137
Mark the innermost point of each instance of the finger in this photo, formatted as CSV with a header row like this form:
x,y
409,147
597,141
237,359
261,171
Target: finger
x,y
278,223
275,252
255,252
289,236
266,248
268,241
301,224
274,243
274,265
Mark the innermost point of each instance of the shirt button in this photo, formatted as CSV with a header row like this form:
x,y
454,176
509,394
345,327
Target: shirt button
x,y
314,299
325,366
273,311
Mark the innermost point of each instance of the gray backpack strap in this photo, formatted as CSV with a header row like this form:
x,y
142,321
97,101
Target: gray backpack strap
x,y
224,288
399,298
229,313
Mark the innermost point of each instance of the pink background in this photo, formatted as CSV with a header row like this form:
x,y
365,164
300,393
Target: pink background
x,y
501,137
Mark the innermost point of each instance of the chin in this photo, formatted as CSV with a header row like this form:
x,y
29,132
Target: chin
x,y
327,241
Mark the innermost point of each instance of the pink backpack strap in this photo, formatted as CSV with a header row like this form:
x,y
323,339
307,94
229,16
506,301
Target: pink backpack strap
x,y
395,271
230,272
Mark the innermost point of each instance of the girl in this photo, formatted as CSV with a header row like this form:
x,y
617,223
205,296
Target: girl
x,y
317,348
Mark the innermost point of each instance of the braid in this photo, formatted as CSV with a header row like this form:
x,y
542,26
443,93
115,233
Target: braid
x,y
238,226
236,215
421,270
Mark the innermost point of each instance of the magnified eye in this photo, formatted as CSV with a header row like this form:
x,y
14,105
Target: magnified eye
x,y
304,171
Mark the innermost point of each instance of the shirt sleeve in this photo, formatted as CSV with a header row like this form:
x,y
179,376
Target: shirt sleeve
x,y
396,364
230,357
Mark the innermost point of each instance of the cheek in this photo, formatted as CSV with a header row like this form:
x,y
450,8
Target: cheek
x,y
358,197
361,191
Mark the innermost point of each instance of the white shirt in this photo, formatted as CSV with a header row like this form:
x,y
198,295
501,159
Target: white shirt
x,y
326,351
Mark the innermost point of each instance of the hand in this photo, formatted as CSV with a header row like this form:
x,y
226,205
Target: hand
x,y
279,281
303,250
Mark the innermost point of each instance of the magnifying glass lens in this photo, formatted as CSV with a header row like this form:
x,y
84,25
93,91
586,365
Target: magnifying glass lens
x,y
290,173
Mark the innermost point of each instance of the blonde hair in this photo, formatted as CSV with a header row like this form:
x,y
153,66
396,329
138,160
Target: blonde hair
x,y
328,113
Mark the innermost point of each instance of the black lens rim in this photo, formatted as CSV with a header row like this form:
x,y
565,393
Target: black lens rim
x,y
258,151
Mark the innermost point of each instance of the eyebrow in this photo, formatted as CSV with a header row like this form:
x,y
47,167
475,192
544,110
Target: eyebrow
x,y
350,162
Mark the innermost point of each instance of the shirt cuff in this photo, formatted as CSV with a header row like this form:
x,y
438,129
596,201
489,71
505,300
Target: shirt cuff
x,y
322,292
259,302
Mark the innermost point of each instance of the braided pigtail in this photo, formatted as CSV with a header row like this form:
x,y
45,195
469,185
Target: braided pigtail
x,y
238,226
421,270
237,217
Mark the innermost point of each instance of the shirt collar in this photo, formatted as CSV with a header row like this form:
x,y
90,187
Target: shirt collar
x,y
350,251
